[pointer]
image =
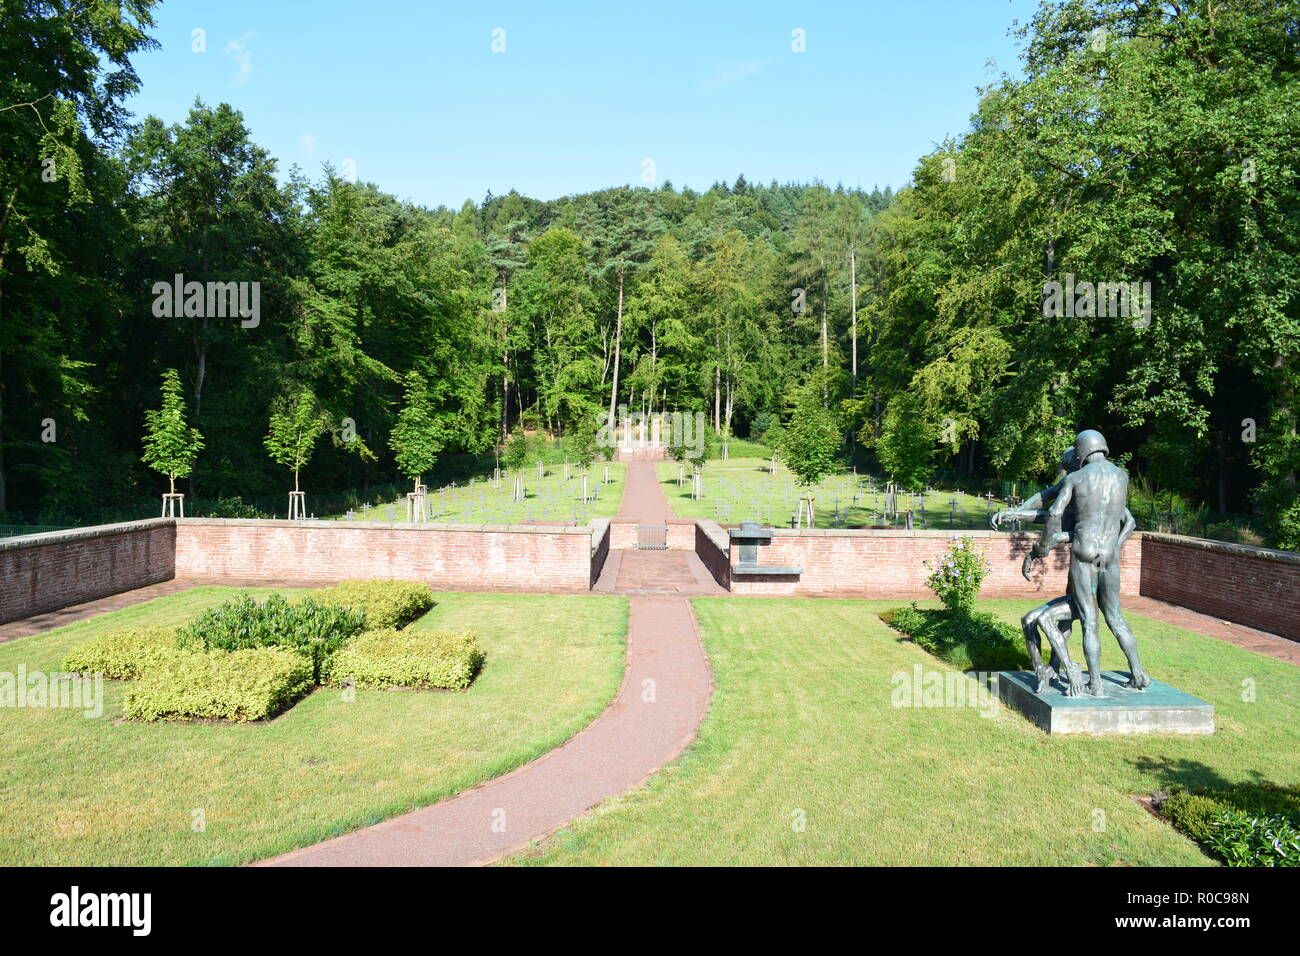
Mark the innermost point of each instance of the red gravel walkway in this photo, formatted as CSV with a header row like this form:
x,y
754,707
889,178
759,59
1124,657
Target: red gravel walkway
x,y
665,692
643,496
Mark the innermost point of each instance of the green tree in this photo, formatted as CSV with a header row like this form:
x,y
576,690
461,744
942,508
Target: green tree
x,y
416,437
295,428
170,444
809,444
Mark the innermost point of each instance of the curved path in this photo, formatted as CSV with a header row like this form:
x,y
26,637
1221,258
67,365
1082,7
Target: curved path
x,y
664,695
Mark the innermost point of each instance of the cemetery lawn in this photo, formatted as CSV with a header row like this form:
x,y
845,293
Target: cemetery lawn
x,y
87,792
801,727
548,499
741,489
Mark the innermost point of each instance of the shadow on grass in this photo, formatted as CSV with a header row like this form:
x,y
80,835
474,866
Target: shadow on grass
x,y
1182,773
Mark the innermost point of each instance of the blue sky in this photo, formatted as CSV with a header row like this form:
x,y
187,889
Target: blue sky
x,y
584,93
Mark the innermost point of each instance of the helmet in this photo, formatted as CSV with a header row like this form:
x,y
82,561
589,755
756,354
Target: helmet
x,y
1087,443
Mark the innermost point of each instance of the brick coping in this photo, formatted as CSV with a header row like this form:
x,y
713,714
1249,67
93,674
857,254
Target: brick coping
x,y
1224,547
20,541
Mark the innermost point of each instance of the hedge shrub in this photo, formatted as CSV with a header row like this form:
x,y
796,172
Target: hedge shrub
x,y
123,655
307,627
1247,824
969,641
384,603
240,685
392,658
1243,840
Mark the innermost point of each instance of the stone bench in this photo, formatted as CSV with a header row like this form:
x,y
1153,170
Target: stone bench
x,y
748,537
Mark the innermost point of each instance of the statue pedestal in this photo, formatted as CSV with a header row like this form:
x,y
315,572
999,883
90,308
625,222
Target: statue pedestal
x,y
1160,709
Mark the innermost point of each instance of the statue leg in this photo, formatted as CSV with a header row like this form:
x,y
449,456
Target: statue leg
x,y
1108,596
1056,625
1029,624
1082,578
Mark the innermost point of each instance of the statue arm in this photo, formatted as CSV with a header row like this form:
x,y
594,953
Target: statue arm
x,y
1053,534
1130,525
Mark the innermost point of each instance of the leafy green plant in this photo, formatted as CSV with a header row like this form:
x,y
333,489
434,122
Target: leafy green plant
x,y
966,640
308,628
384,603
1243,840
243,685
956,575
124,655
410,658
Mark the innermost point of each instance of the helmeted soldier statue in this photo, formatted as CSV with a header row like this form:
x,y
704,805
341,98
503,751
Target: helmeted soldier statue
x,y
1096,495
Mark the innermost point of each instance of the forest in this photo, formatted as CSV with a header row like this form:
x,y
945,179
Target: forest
x,y
1144,145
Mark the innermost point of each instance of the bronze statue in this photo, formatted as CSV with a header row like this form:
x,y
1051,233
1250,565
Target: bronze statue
x,y
1054,618
1095,497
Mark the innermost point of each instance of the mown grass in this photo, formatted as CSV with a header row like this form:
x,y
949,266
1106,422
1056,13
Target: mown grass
x,y
550,498
742,489
80,791
801,727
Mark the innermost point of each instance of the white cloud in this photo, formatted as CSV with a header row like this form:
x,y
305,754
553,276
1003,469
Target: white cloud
x,y
309,142
734,72
243,57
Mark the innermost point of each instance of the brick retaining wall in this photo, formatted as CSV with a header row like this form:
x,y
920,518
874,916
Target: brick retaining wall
x,y
889,563
471,557
56,569
1258,587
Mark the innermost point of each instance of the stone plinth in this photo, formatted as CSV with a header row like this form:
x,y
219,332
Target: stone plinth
x,y
1160,709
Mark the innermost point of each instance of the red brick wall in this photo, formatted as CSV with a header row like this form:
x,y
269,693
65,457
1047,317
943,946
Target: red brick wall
x,y
45,572
599,549
711,546
889,563
1253,586
470,557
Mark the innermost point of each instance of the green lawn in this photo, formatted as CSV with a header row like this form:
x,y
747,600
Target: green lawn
x,y
79,791
802,727
550,498
742,489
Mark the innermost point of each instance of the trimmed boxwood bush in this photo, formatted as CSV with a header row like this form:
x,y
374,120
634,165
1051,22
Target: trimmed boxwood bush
x,y
1244,825
123,655
241,685
392,658
969,641
385,603
307,627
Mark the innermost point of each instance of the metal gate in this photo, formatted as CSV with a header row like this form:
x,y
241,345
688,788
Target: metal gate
x,y
652,537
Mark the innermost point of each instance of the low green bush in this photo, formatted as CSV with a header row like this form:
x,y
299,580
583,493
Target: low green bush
x,y
384,603
1248,824
240,685
123,655
307,627
1193,813
969,641
410,658
1245,840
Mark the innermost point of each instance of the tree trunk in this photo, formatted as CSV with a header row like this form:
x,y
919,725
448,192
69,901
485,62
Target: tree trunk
x,y
853,302
505,357
618,350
